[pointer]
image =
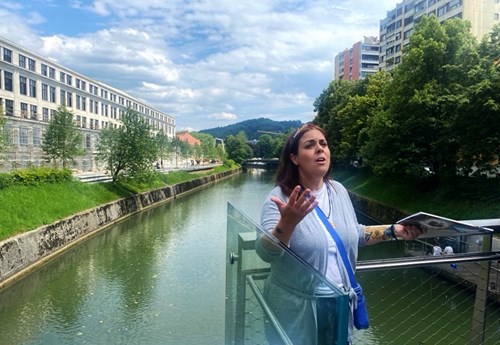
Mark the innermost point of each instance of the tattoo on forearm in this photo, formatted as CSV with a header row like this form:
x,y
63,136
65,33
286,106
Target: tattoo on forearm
x,y
375,233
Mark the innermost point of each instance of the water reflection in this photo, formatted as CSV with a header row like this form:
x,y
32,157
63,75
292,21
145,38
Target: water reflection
x,y
154,278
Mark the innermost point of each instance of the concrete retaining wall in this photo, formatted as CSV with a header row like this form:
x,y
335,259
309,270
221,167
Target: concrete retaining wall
x,y
381,213
20,254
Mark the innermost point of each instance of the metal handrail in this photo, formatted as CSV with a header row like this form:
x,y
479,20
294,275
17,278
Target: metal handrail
x,y
367,265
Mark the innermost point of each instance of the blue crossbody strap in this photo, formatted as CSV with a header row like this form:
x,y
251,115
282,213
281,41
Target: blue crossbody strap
x,y
340,246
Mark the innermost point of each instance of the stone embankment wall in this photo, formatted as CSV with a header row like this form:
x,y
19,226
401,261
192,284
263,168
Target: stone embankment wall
x,y
18,255
381,213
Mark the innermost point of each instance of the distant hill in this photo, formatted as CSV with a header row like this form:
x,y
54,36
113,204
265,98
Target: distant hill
x,y
252,128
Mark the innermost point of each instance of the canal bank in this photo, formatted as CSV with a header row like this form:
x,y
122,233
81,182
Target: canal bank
x,y
22,253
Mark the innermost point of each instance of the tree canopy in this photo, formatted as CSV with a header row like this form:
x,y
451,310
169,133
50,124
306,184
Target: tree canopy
x,y
62,140
130,150
438,110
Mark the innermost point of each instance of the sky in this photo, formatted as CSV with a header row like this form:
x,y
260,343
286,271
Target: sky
x,y
208,63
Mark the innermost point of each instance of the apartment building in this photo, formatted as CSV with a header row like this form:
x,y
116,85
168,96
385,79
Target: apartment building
x,y
398,26
33,87
359,61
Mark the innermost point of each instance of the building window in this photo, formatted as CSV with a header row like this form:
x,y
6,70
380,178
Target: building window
x,y
52,94
23,88
7,76
69,79
44,69
9,107
45,92
62,77
31,65
87,141
37,136
45,114
496,16
69,99
24,110
84,103
7,55
23,136
33,111
52,73
62,97
22,61
52,114
32,88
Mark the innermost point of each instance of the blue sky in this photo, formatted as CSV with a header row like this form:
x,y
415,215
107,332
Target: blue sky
x,y
209,63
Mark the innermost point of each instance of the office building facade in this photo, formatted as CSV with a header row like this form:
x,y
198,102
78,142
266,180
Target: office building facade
x,y
31,90
398,26
359,61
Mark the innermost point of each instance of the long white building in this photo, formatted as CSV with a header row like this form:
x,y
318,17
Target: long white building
x,y
398,26
33,87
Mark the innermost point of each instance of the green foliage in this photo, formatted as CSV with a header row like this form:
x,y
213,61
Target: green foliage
x,y
237,148
34,177
207,149
62,140
266,146
438,109
328,105
5,180
252,128
130,150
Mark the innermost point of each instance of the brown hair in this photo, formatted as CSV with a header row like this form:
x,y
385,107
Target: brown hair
x,y
287,176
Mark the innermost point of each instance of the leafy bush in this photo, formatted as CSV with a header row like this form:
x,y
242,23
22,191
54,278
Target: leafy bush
x,y
37,176
5,180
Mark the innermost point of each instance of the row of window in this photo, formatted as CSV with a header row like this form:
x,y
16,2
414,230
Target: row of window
x,y
418,8
27,87
80,84
33,136
30,111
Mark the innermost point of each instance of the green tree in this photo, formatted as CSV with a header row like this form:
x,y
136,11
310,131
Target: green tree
x,y
130,150
237,148
62,140
412,130
355,116
328,105
163,144
476,115
266,146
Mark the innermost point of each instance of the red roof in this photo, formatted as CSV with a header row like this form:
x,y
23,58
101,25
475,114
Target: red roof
x,y
185,136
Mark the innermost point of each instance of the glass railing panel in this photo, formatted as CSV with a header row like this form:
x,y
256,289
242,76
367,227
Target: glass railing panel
x,y
250,318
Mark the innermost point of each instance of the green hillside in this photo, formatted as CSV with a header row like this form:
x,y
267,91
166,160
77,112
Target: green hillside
x,y
252,128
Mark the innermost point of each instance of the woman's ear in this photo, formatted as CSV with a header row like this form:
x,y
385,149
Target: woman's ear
x,y
293,158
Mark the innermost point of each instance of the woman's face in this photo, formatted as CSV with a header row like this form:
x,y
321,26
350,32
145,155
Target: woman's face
x,y
313,155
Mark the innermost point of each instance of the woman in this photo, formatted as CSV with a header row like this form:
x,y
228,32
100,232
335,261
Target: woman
x,y
303,183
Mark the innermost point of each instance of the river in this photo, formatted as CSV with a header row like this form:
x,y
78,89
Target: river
x,y
157,277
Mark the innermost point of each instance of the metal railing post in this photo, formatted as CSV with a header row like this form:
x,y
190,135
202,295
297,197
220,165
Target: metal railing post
x,y
479,313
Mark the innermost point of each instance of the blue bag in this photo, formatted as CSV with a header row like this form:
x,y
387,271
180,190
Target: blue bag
x,y
360,313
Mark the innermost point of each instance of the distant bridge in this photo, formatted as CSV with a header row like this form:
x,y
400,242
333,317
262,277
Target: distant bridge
x,y
261,163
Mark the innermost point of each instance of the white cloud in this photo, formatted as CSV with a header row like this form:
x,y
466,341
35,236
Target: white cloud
x,y
205,61
223,116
